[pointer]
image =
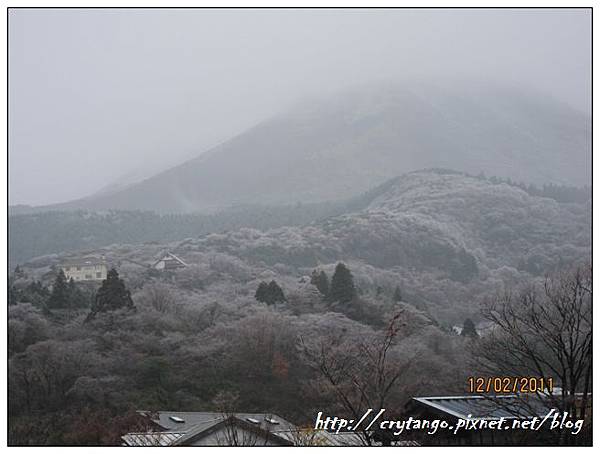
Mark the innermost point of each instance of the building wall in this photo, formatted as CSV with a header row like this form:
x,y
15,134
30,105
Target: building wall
x,y
85,272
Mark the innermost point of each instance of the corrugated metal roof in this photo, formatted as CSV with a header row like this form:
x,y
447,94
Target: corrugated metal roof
x,y
194,423
486,407
151,438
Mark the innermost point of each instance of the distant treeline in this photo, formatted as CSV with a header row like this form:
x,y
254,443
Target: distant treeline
x,y
560,193
33,235
37,234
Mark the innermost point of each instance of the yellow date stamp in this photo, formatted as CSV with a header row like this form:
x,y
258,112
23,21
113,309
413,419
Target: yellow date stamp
x,y
509,385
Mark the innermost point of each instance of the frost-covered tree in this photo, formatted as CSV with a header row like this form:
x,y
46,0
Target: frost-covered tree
x,y
545,330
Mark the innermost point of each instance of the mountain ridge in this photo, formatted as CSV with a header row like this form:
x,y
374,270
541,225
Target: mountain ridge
x,y
344,144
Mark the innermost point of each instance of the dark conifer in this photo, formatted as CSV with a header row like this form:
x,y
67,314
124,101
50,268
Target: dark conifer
x,y
342,285
112,295
321,281
59,298
262,292
469,329
275,293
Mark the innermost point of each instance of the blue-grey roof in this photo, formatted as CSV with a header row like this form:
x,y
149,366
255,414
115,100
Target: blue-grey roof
x,y
151,438
181,426
486,407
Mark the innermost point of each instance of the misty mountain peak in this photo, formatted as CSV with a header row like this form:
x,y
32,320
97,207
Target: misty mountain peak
x,y
340,146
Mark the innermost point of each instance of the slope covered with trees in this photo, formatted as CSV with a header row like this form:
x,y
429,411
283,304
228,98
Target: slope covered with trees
x,y
443,238
35,234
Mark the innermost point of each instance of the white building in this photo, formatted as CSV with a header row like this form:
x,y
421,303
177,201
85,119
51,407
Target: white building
x,y
86,269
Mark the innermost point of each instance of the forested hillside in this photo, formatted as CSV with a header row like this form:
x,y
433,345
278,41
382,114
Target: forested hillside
x,y
35,234
254,316
444,237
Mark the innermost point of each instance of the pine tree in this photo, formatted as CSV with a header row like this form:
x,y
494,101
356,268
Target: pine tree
x,y
75,295
270,293
262,292
112,295
275,293
321,281
397,294
469,329
59,298
342,285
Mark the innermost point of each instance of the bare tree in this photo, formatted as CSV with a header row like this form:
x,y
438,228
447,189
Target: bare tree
x,y
236,432
159,296
360,373
545,330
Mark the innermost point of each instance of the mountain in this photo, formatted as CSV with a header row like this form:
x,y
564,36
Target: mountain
x,y
458,226
334,148
447,239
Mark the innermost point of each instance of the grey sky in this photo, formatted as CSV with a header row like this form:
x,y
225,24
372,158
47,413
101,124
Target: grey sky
x,y
98,96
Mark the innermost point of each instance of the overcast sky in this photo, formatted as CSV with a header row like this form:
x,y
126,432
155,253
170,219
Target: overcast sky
x,y
101,96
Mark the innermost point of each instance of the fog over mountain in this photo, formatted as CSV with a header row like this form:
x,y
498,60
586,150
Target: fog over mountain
x,y
104,97
339,146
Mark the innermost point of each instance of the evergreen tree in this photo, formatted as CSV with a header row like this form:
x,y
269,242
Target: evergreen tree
x,y
77,298
275,293
397,294
342,285
112,295
262,292
59,298
35,293
270,293
469,329
321,281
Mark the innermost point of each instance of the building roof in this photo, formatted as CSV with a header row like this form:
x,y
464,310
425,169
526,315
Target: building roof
x,y
485,407
86,261
151,438
171,258
181,427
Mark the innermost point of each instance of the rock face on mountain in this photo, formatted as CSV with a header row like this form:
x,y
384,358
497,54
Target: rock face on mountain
x,y
338,147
